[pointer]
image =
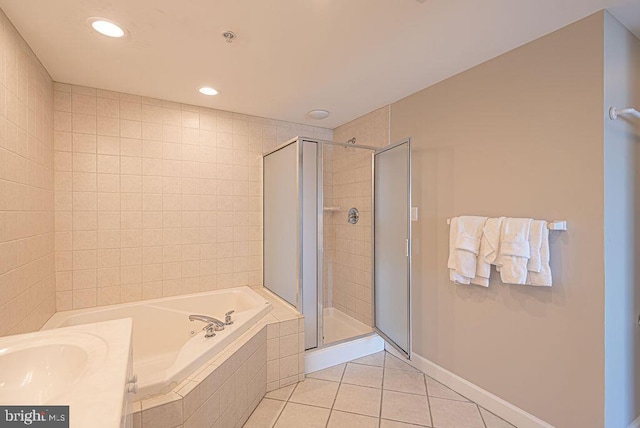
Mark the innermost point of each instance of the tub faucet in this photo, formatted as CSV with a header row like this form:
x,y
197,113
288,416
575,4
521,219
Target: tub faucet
x,y
213,324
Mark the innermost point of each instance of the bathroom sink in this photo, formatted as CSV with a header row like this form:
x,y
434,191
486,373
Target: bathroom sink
x,y
40,369
85,367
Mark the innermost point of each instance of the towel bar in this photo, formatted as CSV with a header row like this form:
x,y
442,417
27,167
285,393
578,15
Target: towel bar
x,y
557,225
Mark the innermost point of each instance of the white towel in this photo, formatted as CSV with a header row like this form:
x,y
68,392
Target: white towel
x,y
535,243
489,247
542,278
464,245
514,250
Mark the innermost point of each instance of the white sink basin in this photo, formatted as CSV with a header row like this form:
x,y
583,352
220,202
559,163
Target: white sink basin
x,y
38,370
84,367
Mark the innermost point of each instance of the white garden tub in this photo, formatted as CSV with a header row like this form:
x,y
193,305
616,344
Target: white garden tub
x,y
167,347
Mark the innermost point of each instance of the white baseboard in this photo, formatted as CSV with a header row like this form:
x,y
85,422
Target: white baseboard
x,y
635,423
319,359
494,404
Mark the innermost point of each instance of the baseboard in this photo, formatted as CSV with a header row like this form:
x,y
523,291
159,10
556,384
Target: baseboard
x,y
318,359
635,423
494,404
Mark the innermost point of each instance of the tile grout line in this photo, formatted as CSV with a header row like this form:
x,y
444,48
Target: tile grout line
x,y
344,370
285,404
481,417
424,376
384,364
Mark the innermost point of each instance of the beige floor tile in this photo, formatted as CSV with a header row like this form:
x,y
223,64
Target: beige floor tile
x,y
455,414
315,392
402,407
282,394
358,399
385,423
376,359
404,381
493,421
392,362
358,374
332,373
266,414
350,420
298,415
436,389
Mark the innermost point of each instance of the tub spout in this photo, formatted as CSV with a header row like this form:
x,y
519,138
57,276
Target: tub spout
x,y
218,325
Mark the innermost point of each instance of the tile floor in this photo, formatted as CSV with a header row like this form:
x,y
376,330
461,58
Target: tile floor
x,y
377,391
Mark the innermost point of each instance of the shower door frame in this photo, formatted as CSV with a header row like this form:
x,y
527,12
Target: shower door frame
x,y
299,141
408,353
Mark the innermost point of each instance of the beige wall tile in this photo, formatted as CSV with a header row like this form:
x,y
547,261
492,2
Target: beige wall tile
x,y
27,181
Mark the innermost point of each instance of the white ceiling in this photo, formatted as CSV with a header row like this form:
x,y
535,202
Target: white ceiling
x,y
291,56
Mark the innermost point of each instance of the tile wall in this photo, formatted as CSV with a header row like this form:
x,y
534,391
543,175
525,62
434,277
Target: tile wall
x,y
155,198
349,255
27,280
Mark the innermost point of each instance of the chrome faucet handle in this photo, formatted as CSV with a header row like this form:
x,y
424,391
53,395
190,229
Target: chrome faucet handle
x,y
227,318
209,328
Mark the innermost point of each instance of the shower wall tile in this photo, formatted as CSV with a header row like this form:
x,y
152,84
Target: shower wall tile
x,y
372,129
348,247
27,277
155,198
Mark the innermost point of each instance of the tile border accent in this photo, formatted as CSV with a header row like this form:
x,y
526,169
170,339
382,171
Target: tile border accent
x,y
483,398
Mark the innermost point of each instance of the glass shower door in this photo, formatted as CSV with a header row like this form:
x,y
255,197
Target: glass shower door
x,y
392,245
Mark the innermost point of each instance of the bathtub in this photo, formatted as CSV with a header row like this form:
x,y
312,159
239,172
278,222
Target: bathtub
x,y
167,347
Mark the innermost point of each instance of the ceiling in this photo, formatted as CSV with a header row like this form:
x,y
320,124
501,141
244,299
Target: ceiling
x,y
290,56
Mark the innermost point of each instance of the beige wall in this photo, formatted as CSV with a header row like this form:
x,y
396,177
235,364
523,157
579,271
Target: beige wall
x,y
155,198
27,281
520,136
622,196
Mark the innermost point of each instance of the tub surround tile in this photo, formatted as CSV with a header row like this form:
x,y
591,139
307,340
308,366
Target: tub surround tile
x,y
226,389
128,155
162,412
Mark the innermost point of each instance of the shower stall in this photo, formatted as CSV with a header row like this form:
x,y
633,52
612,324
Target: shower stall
x,y
337,238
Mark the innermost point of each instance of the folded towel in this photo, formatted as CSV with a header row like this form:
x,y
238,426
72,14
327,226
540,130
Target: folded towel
x,y
464,245
535,243
514,250
489,245
542,278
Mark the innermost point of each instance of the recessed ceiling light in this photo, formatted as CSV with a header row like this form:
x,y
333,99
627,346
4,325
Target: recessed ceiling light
x,y
107,28
318,114
208,91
